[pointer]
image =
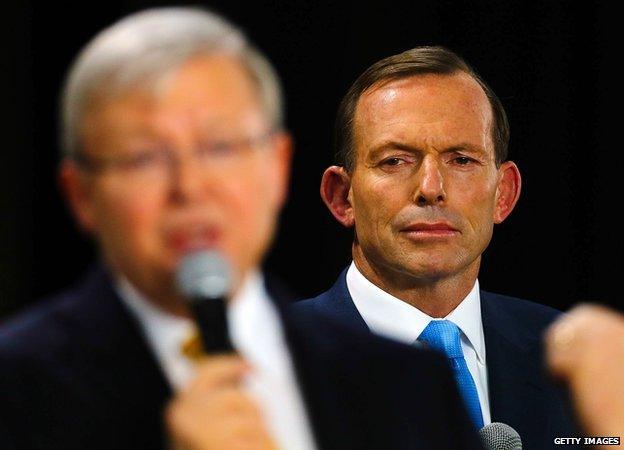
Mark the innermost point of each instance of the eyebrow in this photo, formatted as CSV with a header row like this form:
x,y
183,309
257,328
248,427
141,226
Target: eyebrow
x,y
466,147
461,147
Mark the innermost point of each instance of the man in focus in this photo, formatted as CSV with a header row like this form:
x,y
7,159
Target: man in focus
x,y
422,176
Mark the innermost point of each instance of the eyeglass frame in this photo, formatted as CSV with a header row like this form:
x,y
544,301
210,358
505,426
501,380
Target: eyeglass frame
x,y
168,157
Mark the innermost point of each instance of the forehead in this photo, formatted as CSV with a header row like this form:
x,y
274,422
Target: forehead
x,y
423,110
218,82
212,91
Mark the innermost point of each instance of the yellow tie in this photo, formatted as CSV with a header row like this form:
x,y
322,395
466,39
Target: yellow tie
x,y
192,347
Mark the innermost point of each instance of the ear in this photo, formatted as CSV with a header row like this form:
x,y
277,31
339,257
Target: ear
x,y
507,191
77,191
335,192
282,147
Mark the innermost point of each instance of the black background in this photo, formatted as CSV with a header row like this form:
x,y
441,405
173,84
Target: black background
x,y
549,62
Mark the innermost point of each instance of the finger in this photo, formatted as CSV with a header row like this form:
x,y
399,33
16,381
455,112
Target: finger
x,y
218,371
221,403
561,344
571,338
227,400
229,417
248,432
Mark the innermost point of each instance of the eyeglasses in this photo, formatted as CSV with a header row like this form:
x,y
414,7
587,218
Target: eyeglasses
x,y
157,162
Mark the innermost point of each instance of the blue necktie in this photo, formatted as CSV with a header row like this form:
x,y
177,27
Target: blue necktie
x,y
443,335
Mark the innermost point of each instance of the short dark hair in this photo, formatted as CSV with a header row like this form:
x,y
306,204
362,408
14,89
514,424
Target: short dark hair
x,y
417,61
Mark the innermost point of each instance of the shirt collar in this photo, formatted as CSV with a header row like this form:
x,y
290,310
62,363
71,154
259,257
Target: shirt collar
x,y
253,322
467,316
255,326
391,317
159,326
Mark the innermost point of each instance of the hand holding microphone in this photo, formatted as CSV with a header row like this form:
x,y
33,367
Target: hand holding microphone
x,y
214,412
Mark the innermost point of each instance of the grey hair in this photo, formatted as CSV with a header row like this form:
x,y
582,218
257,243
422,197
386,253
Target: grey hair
x,y
148,45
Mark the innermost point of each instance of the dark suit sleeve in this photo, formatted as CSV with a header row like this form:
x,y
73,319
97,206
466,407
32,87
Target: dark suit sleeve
x,y
9,414
5,439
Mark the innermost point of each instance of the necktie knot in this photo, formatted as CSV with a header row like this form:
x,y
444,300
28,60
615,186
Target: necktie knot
x,y
192,347
444,336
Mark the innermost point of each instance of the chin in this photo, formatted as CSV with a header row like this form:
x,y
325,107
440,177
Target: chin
x,y
426,269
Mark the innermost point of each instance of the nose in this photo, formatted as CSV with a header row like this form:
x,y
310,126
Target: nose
x,y
430,183
187,178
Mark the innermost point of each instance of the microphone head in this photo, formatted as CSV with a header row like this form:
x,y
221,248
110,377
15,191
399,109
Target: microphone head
x,y
500,436
204,274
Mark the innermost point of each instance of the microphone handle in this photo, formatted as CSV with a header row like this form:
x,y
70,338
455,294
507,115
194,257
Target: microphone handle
x,y
210,316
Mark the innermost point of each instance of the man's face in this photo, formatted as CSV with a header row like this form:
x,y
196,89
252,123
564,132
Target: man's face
x,y
425,187
220,187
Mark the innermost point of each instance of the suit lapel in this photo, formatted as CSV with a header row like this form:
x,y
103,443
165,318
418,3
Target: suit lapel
x,y
122,377
515,378
338,304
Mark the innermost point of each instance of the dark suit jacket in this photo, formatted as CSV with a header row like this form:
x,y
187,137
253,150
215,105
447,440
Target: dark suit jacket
x,y
76,373
521,393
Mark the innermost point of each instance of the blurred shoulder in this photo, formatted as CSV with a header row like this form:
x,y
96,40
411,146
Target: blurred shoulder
x,y
38,329
49,328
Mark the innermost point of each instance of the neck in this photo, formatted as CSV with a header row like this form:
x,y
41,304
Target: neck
x,y
434,294
164,295
167,299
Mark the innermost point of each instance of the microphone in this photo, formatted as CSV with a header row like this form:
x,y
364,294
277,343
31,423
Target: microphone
x,y
500,436
205,279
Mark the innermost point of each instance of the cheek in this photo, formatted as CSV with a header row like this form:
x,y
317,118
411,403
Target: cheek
x,y
477,206
250,217
130,216
249,205
376,204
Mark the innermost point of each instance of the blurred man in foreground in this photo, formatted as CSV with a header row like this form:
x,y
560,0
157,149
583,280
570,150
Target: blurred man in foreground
x,y
174,143
423,177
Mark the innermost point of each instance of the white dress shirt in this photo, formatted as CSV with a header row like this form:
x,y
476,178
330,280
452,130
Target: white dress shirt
x,y
256,333
395,319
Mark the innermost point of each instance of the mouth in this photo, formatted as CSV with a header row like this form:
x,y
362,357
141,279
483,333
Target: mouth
x,y
438,230
193,237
